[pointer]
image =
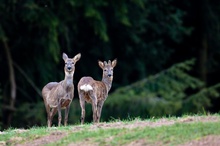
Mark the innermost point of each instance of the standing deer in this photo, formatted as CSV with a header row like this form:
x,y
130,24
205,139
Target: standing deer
x,y
96,92
59,95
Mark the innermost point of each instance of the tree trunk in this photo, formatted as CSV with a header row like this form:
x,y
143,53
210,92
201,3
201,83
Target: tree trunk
x,y
203,47
203,60
12,84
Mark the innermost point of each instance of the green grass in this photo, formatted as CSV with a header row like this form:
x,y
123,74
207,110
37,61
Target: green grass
x,y
174,134
30,134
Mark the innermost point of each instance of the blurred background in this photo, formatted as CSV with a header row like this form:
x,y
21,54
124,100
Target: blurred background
x,y
168,55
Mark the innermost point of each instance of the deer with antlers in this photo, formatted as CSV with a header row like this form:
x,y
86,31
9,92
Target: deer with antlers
x,y
96,92
59,95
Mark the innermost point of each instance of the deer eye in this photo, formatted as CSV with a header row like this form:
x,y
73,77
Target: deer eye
x,y
72,62
105,69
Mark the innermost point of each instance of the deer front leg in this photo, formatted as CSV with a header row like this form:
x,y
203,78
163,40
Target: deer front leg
x,y
66,115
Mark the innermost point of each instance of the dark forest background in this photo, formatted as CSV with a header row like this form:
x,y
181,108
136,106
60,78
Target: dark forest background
x,y
168,55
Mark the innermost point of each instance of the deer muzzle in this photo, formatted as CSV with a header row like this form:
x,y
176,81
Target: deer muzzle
x,y
69,68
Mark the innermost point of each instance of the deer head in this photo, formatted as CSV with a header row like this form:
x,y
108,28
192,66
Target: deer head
x,y
107,68
69,67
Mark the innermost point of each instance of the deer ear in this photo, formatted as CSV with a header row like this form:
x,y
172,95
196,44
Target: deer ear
x,y
101,64
114,62
77,57
65,56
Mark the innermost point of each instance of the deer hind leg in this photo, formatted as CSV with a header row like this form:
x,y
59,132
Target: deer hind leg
x,y
66,115
83,112
48,115
49,119
59,114
99,110
47,107
94,108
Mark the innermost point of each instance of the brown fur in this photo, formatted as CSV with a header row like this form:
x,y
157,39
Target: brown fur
x,y
96,92
59,96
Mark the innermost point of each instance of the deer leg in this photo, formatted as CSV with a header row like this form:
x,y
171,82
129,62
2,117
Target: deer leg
x,y
83,112
99,110
66,115
48,116
94,108
48,120
48,113
51,115
59,114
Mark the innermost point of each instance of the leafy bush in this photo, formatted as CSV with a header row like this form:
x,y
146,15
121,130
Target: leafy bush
x,y
171,92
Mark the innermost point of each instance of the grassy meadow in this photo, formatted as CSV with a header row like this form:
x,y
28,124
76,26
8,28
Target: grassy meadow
x,y
161,131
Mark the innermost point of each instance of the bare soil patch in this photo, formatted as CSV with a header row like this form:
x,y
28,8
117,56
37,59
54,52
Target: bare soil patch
x,y
211,140
54,136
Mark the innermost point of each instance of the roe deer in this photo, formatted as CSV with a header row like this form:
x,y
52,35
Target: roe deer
x,y
59,95
96,92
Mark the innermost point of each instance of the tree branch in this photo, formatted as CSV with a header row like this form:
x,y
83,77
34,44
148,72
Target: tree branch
x,y
28,79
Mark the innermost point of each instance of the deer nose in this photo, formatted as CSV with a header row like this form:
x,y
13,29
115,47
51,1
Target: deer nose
x,y
109,75
69,67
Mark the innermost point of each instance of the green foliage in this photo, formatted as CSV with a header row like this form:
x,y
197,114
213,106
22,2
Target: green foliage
x,y
33,113
169,92
145,36
95,28
199,101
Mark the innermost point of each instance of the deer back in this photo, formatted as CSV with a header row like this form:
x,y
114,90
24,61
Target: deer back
x,y
100,89
88,86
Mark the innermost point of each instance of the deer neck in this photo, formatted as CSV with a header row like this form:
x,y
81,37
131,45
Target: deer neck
x,y
68,81
108,82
